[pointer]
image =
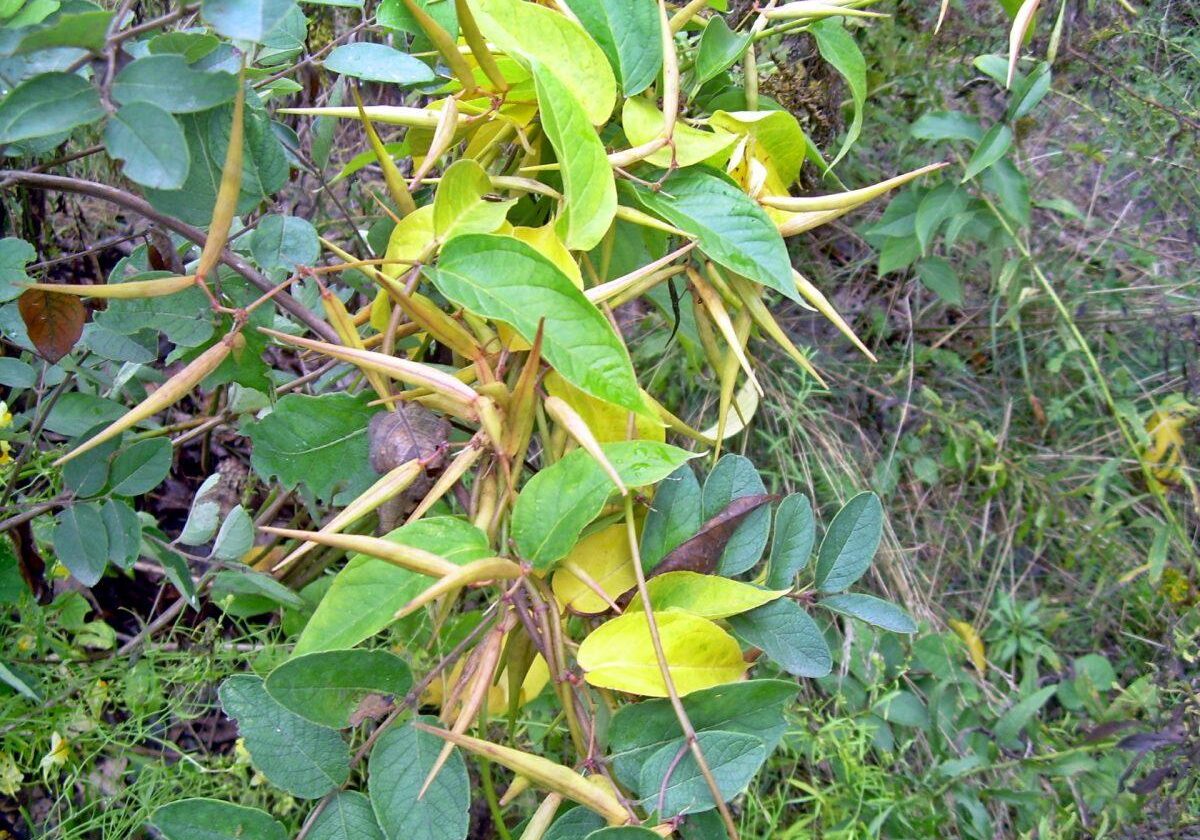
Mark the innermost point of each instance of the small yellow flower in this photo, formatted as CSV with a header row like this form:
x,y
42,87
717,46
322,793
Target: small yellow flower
x,y
5,415
60,751
5,453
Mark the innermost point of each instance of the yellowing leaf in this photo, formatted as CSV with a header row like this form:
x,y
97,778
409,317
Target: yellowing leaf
x,y
775,138
643,122
606,559
620,655
707,596
546,242
970,637
529,32
460,206
608,422
411,239
1165,453
535,680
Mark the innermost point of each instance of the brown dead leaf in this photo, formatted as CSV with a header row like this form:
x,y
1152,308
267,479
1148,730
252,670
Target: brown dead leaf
x,y
701,552
54,322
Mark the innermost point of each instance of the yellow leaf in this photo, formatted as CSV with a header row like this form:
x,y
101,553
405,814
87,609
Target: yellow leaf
x,y
643,122
605,558
707,596
620,655
412,239
974,644
547,243
460,207
608,422
775,138
1165,452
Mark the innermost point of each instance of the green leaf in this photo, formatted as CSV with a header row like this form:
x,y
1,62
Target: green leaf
x,y
378,63
366,593
639,730
48,104
947,125
532,33
236,536
850,543
872,610
77,412
719,49
733,758
141,467
729,225
211,819
395,15
15,373
898,252
245,20
1006,182
939,277
320,441
347,816
264,166
1029,91
168,81
994,145
838,48
204,515
673,518
15,254
124,532
628,32
574,823
642,122
792,542
81,542
589,190
460,206
281,244
1020,714
708,596
787,635
503,278
185,317
399,763
556,504
327,687
193,46
248,593
904,709
733,478
86,30
623,832
939,204
304,759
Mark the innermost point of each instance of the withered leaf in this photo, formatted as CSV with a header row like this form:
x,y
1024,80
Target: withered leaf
x,y
371,707
54,322
411,431
702,552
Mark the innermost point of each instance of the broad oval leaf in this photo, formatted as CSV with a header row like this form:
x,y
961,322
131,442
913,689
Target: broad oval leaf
x,y
54,322
212,819
606,559
459,206
589,191
347,816
281,244
639,730
556,504
529,33
15,254
327,687
729,226
708,596
151,144
304,759
629,33
792,541
674,516
81,542
719,48
850,543
787,635
170,83
245,20
872,610
48,104
502,278
735,477
141,467
378,63
366,594
574,823
676,783
399,763
619,654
